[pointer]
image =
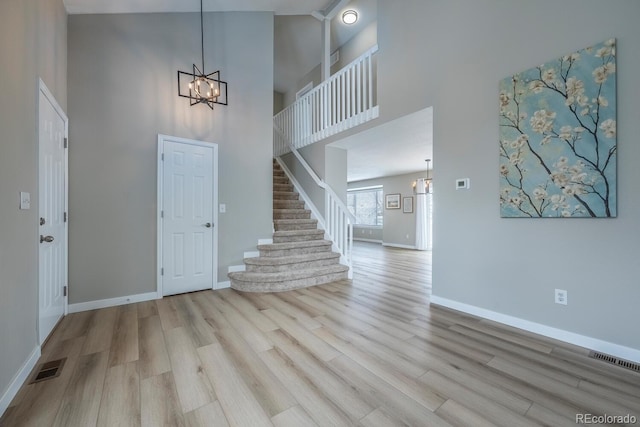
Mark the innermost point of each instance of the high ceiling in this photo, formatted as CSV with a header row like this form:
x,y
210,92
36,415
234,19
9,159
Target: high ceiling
x,y
279,7
394,148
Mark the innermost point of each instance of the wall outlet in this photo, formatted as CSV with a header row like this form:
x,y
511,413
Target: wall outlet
x,y
561,296
223,208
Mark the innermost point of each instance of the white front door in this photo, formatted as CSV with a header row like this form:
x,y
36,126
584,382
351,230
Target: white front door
x,y
52,202
187,232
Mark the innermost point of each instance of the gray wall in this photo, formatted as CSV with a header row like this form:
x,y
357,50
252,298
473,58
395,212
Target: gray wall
x,y
349,51
451,54
122,93
335,171
399,228
33,37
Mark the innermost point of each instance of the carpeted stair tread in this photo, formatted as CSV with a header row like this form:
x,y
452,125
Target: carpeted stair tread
x,y
306,273
293,259
295,245
285,195
295,224
299,232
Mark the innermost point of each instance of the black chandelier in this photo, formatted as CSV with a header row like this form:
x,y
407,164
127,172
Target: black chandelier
x,y
199,87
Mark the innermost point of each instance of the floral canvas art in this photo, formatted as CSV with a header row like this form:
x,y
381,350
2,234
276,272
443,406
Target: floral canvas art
x,y
558,137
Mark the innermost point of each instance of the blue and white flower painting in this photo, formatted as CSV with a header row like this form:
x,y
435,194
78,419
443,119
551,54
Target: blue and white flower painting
x,y
558,137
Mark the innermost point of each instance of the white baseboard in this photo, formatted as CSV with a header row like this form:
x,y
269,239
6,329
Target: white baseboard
x,y
19,379
236,268
111,302
397,245
359,239
265,241
617,350
223,285
252,254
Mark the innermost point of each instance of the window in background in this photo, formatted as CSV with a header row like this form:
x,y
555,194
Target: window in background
x,y
366,204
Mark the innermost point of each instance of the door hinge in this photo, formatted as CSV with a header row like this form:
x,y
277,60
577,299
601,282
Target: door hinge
x,y
162,157
162,271
65,217
161,214
65,291
66,143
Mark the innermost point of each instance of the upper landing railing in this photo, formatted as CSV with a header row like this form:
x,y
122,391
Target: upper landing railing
x,y
345,100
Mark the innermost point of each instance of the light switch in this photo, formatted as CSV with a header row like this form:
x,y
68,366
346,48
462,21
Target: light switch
x,y
223,208
25,200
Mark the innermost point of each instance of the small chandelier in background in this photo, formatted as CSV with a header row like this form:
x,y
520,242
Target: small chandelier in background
x,y
423,181
199,87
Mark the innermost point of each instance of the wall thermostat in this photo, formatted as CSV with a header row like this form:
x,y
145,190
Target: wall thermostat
x,y
462,184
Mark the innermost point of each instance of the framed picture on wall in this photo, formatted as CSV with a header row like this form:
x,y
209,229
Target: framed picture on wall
x,y
407,204
392,201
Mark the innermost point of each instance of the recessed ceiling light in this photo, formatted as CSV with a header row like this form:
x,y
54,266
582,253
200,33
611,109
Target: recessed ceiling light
x,y
350,17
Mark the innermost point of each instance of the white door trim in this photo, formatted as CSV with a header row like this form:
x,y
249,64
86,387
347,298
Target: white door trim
x,y
159,219
44,90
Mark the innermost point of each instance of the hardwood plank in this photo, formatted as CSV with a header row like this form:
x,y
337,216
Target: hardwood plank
x,y
321,409
254,336
159,402
80,405
120,405
154,358
210,415
168,314
312,343
290,310
412,388
237,401
459,415
272,395
293,417
484,406
147,308
193,321
354,404
392,400
193,385
124,347
100,331
245,306
547,417
410,366
77,324
562,391
379,418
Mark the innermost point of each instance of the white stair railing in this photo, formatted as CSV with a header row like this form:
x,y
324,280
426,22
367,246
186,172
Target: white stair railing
x,y
338,221
343,101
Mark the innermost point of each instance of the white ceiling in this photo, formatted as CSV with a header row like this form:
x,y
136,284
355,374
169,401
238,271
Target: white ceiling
x,y
279,7
397,147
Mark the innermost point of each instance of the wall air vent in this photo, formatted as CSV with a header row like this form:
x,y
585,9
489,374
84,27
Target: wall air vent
x,y
615,361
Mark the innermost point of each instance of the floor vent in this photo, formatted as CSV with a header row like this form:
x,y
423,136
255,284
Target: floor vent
x,y
48,370
615,361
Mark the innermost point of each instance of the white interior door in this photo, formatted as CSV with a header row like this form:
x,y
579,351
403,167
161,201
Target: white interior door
x,y
187,217
52,187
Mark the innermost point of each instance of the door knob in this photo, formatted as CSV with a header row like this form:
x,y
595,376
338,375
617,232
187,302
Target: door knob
x,y
208,225
47,239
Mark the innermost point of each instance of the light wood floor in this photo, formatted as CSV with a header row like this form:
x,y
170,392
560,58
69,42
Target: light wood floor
x,y
369,353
